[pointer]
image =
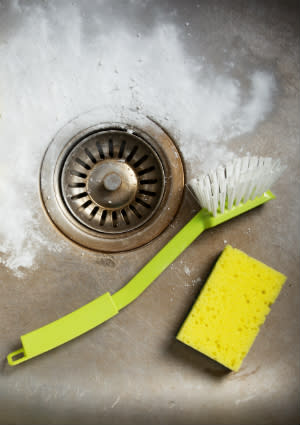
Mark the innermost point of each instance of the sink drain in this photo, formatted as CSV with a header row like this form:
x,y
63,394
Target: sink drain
x,y
112,181
112,187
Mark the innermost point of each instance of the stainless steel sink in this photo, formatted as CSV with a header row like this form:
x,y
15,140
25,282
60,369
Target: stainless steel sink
x,y
132,369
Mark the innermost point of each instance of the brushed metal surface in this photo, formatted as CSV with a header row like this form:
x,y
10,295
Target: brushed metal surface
x,y
131,370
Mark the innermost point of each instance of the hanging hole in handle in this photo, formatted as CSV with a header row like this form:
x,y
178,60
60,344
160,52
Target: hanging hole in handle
x,y
16,357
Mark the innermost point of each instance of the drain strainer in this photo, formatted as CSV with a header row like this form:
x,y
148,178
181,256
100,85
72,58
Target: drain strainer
x,y
112,181
112,187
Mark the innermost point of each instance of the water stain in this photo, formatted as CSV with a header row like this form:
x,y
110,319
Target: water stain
x,y
106,262
243,376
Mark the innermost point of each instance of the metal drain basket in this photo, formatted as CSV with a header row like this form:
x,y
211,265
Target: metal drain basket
x,y
112,187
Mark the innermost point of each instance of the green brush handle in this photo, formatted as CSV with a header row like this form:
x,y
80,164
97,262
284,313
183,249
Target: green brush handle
x,y
201,221
106,306
64,329
161,260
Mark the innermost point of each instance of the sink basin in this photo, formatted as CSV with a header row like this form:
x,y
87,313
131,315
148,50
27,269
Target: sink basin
x,y
221,80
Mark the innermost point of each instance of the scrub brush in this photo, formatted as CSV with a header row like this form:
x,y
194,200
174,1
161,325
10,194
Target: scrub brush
x,y
223,194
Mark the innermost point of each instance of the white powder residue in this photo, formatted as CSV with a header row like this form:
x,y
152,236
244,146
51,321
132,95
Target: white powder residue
x,y
197,280
187,270
52,69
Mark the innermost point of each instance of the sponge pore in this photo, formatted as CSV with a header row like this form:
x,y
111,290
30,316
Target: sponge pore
x,y
226,317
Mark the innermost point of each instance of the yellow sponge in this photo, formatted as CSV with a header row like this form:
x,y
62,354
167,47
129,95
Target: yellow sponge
x,y
232,306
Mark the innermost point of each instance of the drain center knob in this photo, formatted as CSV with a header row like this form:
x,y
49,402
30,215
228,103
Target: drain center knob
x,y
112,181
112,184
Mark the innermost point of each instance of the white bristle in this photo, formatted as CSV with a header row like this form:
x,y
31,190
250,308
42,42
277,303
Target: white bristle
x,y
238,181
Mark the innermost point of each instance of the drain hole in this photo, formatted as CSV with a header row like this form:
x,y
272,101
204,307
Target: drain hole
x,y
138,196
74,185
132,153
147,192
111,148
82,163
94,212
125,216
114,219
148,181
86,204
140,161
122,147
112,187
146,170
90,155
100,150
135,211
103,218
80,195
78,174
139,201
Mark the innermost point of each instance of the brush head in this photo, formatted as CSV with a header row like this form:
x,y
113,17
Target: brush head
x,y
238,181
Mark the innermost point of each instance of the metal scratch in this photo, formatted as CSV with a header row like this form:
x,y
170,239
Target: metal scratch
x,y
116,402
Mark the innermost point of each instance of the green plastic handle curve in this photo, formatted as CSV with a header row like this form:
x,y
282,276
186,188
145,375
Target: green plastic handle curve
x,y
201,221
106,306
